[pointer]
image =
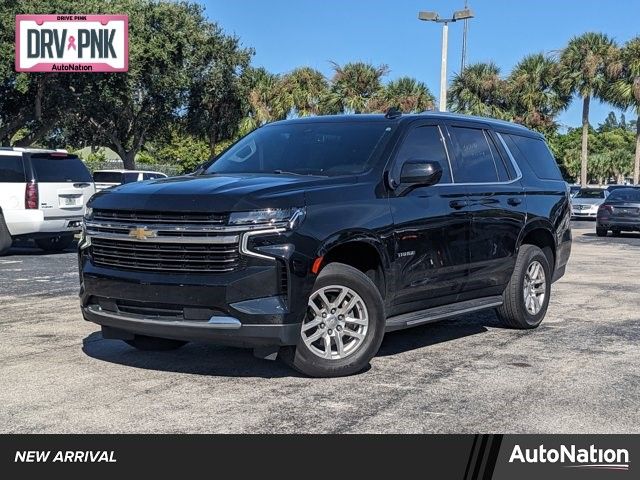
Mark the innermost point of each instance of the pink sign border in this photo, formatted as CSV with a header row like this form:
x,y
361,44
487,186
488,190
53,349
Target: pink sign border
x,y
97,67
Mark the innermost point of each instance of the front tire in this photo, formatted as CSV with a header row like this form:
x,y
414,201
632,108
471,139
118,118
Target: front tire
x,y
343,327
601,232
616,232
526,297
154,344
5,237
55,243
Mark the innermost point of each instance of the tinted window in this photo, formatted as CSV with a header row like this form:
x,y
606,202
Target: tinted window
x,y
130,177
475,163
423,143
590,193
107,177
625,195
503,175
538,157
152,176
313,148
60,169
11,170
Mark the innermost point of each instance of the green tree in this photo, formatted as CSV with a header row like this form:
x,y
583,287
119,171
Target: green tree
x,y
355,87
215,105
307,89
624,91
587,62
406,94
479,90
267,99
535,92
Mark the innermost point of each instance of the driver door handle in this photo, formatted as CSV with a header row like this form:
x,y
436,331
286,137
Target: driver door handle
x,y
514,201
458,204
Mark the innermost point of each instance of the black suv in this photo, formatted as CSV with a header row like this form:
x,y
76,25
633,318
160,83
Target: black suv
x,y
311,238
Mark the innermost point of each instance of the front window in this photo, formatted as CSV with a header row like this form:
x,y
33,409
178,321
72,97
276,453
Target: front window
x,y
314,148
590,193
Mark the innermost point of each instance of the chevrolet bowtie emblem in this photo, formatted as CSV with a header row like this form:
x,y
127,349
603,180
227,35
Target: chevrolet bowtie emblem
x,y
142,233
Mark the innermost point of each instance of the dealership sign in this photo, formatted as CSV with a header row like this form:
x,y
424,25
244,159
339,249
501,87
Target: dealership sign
x,y
72,43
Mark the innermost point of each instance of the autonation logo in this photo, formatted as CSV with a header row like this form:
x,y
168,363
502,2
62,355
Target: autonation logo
x,y
574,457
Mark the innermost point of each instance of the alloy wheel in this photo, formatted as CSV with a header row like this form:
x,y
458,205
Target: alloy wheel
x,y
535,287
336,323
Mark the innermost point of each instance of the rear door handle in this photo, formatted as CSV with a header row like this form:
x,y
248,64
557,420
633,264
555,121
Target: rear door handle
x,y
458,204
514,201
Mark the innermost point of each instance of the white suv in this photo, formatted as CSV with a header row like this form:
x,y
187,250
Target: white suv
x,y
111,178
43,194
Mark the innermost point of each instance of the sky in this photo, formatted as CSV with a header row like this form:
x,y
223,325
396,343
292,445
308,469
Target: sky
x,y
290,33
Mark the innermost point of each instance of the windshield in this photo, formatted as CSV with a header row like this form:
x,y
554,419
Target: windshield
x,y
590,193
317,148
625,195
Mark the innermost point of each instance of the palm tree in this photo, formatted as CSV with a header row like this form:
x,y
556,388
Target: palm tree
x,y
479,90
624,91
307,89
535,92
406,94
267,99
586,64
354,86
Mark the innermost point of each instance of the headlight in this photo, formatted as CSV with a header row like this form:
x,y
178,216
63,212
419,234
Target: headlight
x,y
269,217
88,213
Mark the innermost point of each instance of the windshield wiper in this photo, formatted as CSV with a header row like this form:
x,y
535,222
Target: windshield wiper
x,y
285,172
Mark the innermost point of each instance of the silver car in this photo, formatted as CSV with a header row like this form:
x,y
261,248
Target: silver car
x,y
585,203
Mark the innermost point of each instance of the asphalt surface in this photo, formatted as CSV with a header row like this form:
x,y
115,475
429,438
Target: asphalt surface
x,y
578,372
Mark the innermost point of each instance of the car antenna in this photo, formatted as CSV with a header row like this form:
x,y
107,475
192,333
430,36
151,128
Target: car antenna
x,y
393,112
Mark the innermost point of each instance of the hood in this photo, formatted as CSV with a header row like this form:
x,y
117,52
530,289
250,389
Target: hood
x,y
215,193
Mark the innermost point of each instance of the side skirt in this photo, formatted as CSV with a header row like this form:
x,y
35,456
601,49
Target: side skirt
x,y
411,319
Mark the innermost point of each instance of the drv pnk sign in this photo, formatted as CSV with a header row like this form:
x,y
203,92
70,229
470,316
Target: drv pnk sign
x,y
72,43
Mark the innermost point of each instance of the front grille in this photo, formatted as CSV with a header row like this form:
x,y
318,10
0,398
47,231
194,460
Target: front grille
x,y
165,257
140,217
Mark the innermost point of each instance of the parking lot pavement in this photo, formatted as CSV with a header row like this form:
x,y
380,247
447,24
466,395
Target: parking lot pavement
x,y
578,372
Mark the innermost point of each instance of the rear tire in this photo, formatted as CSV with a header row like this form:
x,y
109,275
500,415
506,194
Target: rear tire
x,y
354,324
520,310
5,237
55,243
616,232
601,232
154,344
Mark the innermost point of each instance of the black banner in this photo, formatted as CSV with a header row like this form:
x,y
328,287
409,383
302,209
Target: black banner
x,y
466,457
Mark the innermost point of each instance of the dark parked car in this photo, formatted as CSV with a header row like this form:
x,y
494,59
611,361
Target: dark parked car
x,y
619,212
311,238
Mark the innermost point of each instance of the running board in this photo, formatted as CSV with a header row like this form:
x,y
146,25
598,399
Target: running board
x,y
434,314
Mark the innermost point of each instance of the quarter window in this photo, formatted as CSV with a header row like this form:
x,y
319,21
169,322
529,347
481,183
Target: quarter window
x,y
11,169
426,144
476,162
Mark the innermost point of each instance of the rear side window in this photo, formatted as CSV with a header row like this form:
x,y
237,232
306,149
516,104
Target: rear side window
x,y
53,169
152,176
12,170
537,155
107,177
130,177
475,162
426,144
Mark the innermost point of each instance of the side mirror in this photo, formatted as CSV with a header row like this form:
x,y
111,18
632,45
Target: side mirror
x,y
419,173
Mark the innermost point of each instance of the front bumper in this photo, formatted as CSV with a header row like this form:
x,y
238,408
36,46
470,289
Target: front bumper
x,y
262,303
218,329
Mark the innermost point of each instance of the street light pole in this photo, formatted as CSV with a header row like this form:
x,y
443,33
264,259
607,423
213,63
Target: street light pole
x,y
465,29
443,67
434,17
